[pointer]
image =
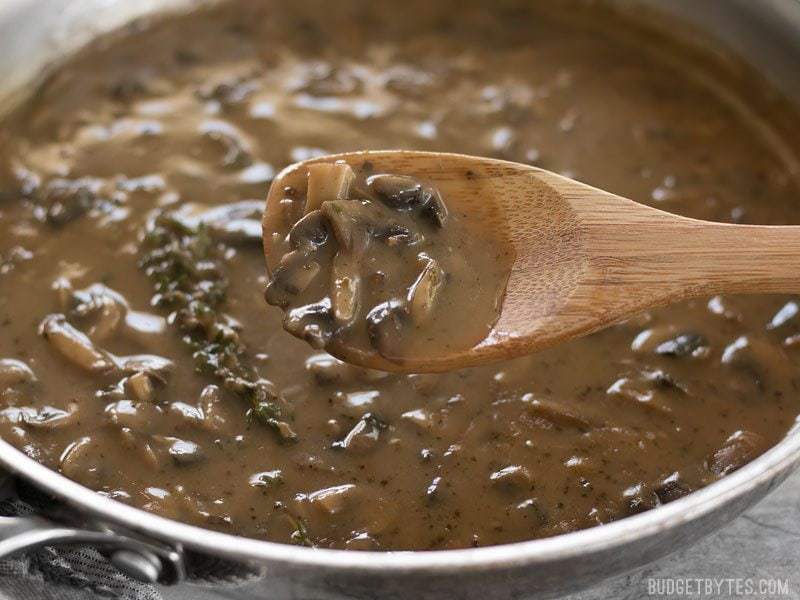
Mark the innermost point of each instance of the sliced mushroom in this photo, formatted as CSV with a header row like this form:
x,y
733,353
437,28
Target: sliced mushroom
x,y
326,182
362,541
555,413
17,414
141,445
309,233
435,208
138,416
78,461
151,364
345,292
45,418
512,478
533,507
236,222
400,192
304,275
355,222
189,413
355,404
141,386
424,383
328,369
640,498
74,345
347,224
100,310
385,325
759,359
672,488
266,479
114,392
405,193
235,147
211,403
652,389
311,322
232,211
434,489
291,278
50,418
370,375
726,308
686,344
62,286
67,199
232,223
332,500
787,312
363,436
144,327
14,372
420,417
424,292
319,78
738,450
393,234
182,452
237,231
213,511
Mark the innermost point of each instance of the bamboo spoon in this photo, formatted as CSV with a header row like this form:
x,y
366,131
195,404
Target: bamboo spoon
x,y
585,258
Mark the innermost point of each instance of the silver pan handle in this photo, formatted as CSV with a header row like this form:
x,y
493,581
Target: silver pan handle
x,y
145,561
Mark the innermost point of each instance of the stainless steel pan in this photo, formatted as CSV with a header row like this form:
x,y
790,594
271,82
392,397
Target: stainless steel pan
x,y
34,34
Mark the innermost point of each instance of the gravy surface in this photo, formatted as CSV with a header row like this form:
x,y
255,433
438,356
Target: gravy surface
x,y
139,358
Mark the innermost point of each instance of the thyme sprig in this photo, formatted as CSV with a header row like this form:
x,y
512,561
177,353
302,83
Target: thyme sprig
x,y
186,266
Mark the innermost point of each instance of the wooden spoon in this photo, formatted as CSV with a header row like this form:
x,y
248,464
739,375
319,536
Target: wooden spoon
x,y
585,258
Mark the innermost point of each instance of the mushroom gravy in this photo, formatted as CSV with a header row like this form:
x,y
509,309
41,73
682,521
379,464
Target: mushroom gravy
x,y
375,265
139,358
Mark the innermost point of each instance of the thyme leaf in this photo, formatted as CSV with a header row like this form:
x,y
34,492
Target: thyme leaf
x,y
185,265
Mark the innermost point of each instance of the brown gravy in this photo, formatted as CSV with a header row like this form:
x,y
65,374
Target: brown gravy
x,y
139,357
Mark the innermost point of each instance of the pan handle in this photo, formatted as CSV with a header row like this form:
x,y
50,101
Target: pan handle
x,y
145,561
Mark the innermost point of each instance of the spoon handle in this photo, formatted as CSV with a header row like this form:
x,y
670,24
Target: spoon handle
x,y
751,258
676,257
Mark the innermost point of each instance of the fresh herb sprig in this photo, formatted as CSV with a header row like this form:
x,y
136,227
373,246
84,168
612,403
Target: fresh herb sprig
x,y
186,266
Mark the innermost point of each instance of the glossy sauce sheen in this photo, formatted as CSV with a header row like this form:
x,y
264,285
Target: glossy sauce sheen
x,y
191,118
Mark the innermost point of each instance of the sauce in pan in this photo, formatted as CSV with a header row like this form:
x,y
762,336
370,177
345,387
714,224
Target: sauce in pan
x,y
140,359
